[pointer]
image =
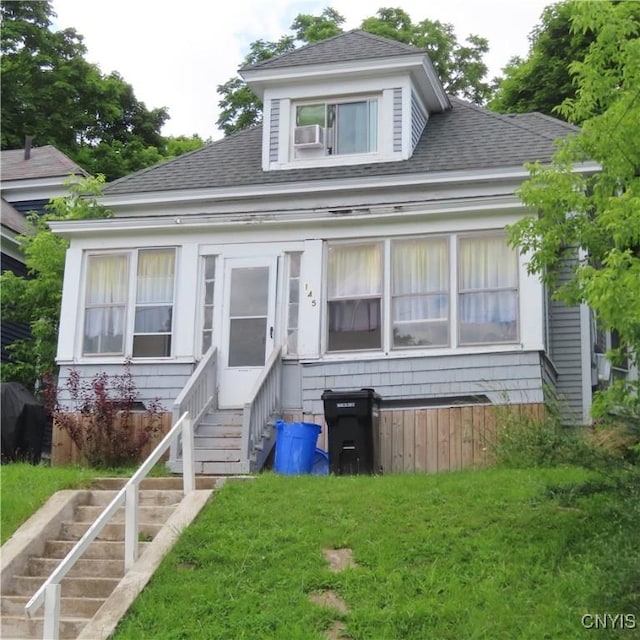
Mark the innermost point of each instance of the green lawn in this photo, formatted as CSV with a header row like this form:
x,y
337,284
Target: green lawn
x,y
492,554
495,554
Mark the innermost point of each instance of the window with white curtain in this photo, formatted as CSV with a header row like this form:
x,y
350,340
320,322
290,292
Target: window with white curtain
x,y
354,297
106,303
487,290
433,291
420,292
132,289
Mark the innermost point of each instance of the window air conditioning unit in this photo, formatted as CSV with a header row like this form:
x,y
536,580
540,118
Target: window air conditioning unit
x,y
604,368
311,135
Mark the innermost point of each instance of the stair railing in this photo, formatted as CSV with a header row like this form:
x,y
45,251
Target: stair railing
x,y
49,593
263,404
197,397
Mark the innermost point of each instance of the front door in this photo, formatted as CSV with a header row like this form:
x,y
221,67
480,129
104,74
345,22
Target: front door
x,y
248,331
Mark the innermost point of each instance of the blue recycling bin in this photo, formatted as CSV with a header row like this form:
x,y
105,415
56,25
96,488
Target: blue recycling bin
x,y
295,447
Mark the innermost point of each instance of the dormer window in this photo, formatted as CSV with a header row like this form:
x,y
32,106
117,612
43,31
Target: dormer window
x,y
335,128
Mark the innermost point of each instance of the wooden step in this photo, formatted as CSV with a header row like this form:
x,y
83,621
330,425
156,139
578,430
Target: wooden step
x,y
217,442
223,418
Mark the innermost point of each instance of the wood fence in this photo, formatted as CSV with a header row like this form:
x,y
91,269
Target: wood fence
x,y
64,451
435,439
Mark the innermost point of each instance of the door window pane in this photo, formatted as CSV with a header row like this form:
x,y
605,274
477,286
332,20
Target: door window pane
x,y
247,339
249,291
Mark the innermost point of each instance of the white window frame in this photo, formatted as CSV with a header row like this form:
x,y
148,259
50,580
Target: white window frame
x,y
315,154
131,303
387,297
203,300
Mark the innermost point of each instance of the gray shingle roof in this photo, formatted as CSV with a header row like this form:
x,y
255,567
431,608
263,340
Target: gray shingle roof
x,y
45,162
466,137
11,218
345,47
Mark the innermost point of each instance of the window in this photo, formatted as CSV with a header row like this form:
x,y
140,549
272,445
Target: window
x,y
293,303
209,289
337,128
355,297
112,303
488,290
420,292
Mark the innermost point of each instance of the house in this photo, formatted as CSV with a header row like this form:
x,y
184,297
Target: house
x,y
356,239
30,177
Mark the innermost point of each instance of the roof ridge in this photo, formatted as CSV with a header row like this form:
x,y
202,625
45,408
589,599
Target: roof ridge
x,y
373,36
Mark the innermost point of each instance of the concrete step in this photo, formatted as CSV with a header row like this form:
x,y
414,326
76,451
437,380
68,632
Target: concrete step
x,y
104,549
146,498
79,607
111,531
83,568
146,514
14,627
71,587
163,483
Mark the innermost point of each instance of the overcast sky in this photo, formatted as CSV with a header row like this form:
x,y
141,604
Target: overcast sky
x,y
175,53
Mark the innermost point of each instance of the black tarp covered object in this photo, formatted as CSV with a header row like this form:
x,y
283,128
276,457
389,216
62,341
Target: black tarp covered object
x,y
24,419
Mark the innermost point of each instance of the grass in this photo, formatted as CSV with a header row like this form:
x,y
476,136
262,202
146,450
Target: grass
x,y
495,554
472,555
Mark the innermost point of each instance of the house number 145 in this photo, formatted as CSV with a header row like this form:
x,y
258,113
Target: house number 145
x,y
310,294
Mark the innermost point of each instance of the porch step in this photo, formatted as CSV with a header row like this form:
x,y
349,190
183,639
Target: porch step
x,y
94,576
223,418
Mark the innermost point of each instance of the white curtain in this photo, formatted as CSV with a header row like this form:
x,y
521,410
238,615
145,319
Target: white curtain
x,y
488,284
107,279
155,277
355,271
421,276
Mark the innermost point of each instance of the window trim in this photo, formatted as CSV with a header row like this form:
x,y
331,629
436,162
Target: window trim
x,y
131,305
387,298
338,158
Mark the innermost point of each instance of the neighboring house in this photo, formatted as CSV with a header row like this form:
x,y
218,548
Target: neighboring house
x,y
356,239
30,177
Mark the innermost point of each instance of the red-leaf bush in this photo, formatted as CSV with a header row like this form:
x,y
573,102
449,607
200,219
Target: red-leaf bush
x,y
100,418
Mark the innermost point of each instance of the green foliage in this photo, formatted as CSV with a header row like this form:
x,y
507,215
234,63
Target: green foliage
x,y
50,92
542,81
35,300
597,212
459,66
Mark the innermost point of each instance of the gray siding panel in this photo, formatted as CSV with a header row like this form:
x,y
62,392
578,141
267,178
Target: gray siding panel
x,y
565,350
502,377
397,119
418,121
274,130
153,381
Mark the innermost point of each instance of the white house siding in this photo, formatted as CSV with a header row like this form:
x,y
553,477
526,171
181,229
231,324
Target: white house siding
x,y
513,378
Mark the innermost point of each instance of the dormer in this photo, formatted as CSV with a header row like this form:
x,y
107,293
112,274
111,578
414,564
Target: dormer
x,y
355,98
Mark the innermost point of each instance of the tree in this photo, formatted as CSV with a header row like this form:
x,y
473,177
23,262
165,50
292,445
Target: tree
x,y
601,214
35,300
542,81
50,92
460,67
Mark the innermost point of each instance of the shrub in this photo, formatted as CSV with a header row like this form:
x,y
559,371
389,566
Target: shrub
x,y
522,441
100,420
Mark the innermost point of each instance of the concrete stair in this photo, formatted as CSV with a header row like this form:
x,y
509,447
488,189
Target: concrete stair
x,y
97,575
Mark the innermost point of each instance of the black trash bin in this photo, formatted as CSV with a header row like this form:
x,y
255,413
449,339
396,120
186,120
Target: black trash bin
x,y
353,421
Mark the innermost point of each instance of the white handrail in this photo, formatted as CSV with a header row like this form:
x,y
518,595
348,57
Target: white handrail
x,y
49,592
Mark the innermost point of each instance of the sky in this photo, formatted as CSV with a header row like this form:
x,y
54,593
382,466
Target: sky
x,y
175,53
